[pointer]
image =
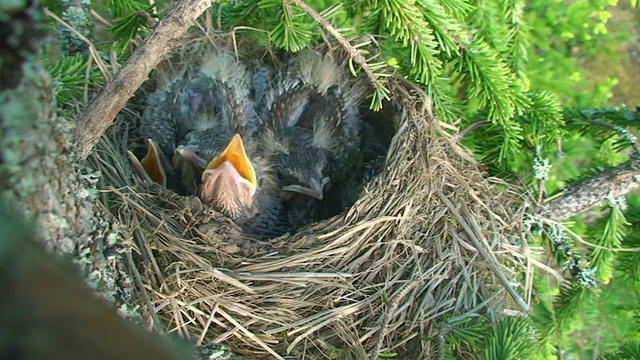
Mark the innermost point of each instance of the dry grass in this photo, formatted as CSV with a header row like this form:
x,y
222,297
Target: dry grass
x,y
431,235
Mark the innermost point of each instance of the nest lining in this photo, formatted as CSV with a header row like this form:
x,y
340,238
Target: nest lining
x,y
429,236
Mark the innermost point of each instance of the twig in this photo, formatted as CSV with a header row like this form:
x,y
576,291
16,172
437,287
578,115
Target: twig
x,y
353,52
441,340
157,325
100,19
580,197
466,131
596,246
151,21
103,109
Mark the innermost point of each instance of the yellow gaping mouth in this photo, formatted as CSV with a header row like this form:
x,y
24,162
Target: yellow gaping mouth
x,y
236,156
150,167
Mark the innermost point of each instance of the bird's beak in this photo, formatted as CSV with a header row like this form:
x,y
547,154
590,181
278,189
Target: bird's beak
x,y
235,155
149,168
315,189
189,153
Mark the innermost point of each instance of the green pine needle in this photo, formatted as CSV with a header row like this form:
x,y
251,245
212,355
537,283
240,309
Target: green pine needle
x,y
406,23
69,75
511,338
121,8
126,28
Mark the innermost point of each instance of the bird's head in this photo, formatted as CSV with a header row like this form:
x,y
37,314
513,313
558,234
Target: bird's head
x,y
229,181
306,174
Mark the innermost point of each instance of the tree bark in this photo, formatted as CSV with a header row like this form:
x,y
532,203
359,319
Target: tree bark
x,y
48,314
48,201
617,181
39,177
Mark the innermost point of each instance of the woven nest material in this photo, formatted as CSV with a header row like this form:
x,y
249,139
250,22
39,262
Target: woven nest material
x,y
430,235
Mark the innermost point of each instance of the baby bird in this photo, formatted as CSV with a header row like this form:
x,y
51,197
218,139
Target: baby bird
x,y
237,182
150,167
185,96
261,148
312,127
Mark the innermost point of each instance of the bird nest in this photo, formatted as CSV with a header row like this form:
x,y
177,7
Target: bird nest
x,y
430,235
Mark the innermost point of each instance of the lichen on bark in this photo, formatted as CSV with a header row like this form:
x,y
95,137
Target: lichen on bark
x,y
40,179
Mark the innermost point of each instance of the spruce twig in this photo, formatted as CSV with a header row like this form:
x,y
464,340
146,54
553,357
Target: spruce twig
x,y
95,55
580,197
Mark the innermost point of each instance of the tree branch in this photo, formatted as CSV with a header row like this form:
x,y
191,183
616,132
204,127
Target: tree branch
x,y
104,108
579,197
354,53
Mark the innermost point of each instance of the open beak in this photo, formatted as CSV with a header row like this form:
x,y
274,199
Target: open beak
x,y
315,189
149,168
236,156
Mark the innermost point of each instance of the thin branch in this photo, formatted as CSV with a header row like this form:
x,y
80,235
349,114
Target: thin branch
x,y
466,131
104,108
100,19
580,197
354,53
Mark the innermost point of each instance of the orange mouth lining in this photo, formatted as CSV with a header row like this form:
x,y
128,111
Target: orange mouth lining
x,y
237,156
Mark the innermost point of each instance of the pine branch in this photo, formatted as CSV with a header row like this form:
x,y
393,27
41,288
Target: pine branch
x,y
457,8
289,34
92,49
487,20
406,23
563,249
569,303
628,263
459,334
126,28
611,237
76,16
517,38
447,30
604,122
71,74
511,338
578,198
104,108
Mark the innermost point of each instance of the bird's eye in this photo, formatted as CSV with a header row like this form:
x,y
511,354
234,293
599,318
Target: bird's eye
x,y
334,90
296,84
260,181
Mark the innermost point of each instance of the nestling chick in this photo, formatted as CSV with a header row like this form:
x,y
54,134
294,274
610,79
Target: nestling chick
x,y
261,148
150,167
238,182
312,128
219,159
